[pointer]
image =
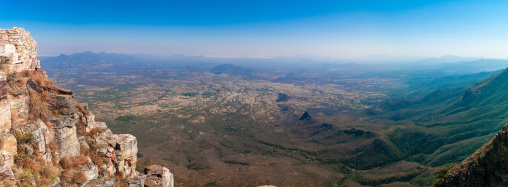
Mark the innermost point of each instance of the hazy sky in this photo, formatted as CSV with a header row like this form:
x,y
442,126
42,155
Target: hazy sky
x,y
265,28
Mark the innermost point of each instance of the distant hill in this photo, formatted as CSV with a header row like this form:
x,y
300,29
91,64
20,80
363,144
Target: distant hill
x,y
89,59
232,70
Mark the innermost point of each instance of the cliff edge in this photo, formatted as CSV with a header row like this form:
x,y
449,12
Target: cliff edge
x,y
48,139
488,166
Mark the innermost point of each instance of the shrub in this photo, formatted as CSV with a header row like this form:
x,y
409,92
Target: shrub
x,y
38,106
66,163
17,86
79,161
96,159
95,131
53,148
81,108
41,79
70,163
79,177
80,129
70,173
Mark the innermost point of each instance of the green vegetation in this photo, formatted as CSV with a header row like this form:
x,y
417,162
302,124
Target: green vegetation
x,y
124,118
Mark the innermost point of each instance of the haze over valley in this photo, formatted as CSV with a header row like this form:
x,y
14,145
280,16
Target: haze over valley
x,y
254,93
220,121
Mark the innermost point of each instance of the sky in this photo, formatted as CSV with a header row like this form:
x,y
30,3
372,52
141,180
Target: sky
x,y
265,28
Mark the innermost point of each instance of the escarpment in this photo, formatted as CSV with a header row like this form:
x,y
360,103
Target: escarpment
x,y
48,139
486,167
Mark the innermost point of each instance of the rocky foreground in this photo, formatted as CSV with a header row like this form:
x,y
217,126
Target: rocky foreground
x,y
48,139
486,167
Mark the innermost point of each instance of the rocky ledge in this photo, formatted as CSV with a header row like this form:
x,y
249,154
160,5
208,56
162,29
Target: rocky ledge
x,y
48,139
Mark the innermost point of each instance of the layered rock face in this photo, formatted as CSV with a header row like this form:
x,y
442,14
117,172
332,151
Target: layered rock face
x,y
47,139
18,50
488,166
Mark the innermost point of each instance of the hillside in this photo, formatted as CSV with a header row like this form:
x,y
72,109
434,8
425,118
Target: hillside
x,y
452,118
486,167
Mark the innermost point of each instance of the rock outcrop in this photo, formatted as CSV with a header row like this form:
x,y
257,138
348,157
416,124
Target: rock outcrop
x,y
488,166
48,139
156,175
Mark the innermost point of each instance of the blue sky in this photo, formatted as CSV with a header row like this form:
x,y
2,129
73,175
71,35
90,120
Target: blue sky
x,y
265,28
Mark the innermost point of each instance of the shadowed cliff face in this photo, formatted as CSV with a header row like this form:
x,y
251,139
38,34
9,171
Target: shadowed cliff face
x,y
488,166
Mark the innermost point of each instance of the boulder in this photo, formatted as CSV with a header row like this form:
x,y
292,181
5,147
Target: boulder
x,y
89,170
64,135
5,116
19,107
5,110
58,91
39,141
7,176
64,104
89,120
83,144
100,182
136,182
8,149
32,85
158,176
126,151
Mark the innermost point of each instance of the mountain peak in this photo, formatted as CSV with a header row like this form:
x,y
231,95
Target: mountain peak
x,y
306,116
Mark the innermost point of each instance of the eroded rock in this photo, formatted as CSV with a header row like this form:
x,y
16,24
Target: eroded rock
x,y
8,149
158,176
126,151
37,139
64,135
100,182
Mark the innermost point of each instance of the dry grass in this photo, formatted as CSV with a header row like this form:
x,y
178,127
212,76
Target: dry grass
x,y
17,86
96,159
80,129
41,79
71,163
79,178
53,148
44,174
70,173
38,106
73,176
81,108
6,182
38,101
17,81
80,160
95,131
119,180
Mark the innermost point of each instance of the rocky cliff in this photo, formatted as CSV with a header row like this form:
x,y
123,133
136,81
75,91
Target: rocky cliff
x,y
488,166
48,139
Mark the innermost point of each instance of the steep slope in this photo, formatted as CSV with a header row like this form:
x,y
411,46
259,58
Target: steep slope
x,y
486,167
48,139
451,123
